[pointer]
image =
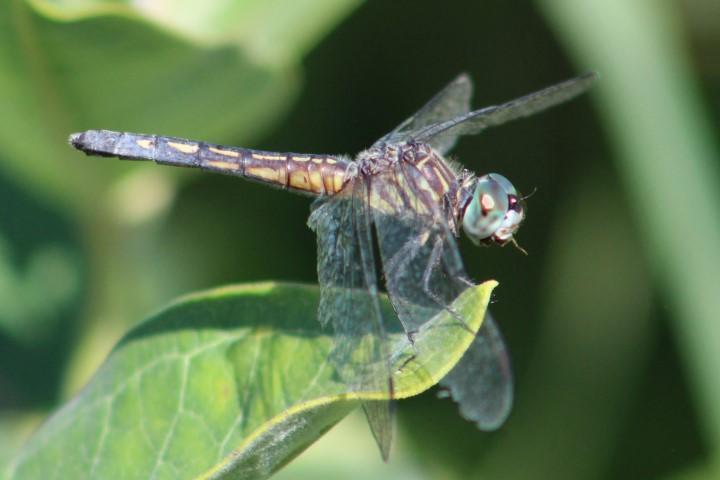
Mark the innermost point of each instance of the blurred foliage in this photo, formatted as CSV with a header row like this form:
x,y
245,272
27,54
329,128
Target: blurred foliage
x,y
611,320
681,161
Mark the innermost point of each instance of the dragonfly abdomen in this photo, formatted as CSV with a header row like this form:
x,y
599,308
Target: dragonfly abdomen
x,y
313,174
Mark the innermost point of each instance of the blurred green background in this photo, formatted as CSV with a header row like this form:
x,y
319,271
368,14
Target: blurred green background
x,y
612,320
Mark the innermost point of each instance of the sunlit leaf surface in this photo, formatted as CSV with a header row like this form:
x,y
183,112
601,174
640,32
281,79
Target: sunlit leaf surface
x,y
233,382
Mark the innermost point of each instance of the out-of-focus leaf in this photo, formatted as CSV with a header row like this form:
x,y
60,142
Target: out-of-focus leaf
x,y
32,298
233,383
669,161
42,283
268,29
185,70
40,267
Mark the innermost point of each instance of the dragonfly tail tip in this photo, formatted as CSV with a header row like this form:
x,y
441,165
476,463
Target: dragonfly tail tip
x,y
74,138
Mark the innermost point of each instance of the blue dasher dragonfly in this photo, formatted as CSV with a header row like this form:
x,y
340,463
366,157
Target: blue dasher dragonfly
x,y
388,218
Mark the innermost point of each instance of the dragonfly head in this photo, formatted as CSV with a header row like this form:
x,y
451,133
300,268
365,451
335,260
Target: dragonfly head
x,y
494,212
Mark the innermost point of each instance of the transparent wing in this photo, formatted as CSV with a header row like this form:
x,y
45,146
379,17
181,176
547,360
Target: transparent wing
x,y
481,383
421,264
476,121
423,274
450,102
349,301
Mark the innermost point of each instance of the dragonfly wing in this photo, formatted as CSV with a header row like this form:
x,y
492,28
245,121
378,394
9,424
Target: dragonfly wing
x,y
450,102
424,274
481,383
349,301
422,267
476,121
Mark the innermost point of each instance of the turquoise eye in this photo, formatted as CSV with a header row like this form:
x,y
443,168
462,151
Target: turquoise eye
x,y
508,187
494,213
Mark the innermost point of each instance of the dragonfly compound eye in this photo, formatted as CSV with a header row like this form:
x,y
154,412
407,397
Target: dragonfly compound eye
x,y
495,211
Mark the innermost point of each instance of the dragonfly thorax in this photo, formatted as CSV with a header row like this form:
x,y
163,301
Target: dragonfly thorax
x,y
495,211
382,157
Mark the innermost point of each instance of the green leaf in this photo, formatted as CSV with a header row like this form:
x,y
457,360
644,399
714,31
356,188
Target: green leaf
x,y
15,428
268,29
41,274
215,70
230,383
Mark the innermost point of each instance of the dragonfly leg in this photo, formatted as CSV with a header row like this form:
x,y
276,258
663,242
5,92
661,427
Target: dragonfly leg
x,y
406,362
398,262
404,255
465,280
435,257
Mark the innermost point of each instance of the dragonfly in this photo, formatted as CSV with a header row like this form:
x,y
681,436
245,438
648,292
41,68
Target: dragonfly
x,y
388,221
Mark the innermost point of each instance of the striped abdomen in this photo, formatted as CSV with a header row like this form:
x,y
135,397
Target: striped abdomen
x,y
314,174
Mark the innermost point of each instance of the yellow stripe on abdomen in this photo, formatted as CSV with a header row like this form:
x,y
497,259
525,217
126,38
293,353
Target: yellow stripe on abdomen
x,y
267,174
314,174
